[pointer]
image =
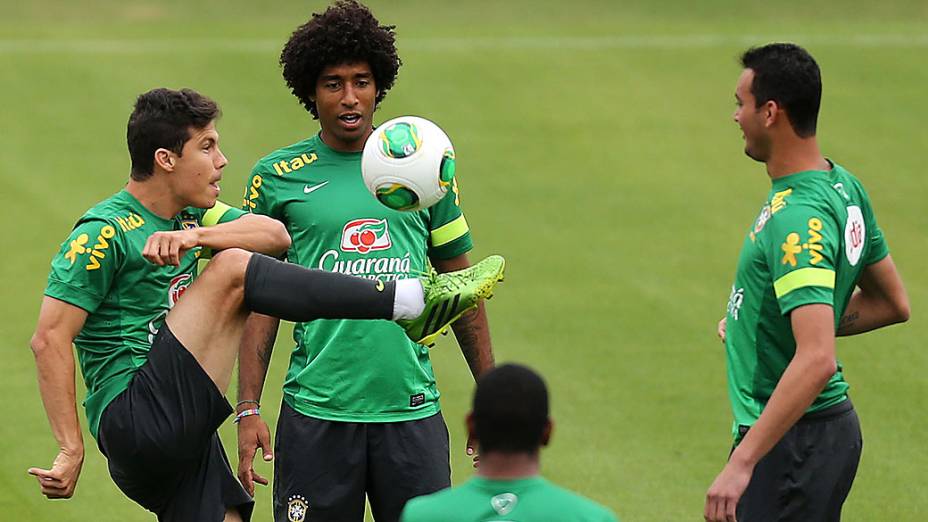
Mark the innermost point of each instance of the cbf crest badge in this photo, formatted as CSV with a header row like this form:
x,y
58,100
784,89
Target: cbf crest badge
x,y
761,220
297,508
504,503
188,221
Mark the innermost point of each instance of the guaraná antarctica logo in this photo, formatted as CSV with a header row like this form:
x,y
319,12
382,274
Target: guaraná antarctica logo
x,y
365,235
178,286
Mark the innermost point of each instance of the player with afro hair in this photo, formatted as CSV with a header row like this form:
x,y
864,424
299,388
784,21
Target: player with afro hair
x,y
346,32
360,416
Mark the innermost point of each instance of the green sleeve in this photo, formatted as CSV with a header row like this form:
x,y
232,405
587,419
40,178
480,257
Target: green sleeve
x,y
877,248
86,265
801,250
449,235
259,195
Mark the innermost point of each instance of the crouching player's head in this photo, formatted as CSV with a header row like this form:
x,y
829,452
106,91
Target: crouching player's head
x,y
510,411
173,142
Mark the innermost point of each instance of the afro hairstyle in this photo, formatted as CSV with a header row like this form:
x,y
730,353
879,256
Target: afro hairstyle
x,y
346,32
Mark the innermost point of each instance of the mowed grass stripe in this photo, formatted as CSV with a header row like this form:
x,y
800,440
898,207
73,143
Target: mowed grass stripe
x,y
550,42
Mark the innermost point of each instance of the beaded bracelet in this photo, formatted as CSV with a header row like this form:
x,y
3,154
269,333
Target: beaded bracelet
x,y
246,413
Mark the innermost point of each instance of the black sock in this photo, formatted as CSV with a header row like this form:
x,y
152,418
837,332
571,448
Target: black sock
x,y
294,293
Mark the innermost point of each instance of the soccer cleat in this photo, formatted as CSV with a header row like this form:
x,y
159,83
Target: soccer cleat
x,y
449,296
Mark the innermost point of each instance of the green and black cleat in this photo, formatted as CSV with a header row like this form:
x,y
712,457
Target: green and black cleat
x,y
450,295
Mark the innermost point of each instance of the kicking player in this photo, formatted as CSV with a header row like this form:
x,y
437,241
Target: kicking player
x,y
510,421
360,405
797,436
157,365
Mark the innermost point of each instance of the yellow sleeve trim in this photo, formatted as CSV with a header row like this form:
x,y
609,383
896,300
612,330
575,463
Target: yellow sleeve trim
x,y
449,231
214,214
802,278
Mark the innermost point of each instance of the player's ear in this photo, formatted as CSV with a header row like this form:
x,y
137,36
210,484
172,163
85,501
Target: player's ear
x,y
771,112
471,431
546,432
165,159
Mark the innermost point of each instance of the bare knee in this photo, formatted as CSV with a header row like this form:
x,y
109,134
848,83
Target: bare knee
x,y
229,267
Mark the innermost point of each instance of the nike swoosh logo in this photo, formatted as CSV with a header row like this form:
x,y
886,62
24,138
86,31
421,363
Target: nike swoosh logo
x,y
307,189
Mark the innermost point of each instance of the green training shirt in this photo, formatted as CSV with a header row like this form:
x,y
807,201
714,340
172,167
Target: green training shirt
x,y
812,239
100,268
343,370
524,500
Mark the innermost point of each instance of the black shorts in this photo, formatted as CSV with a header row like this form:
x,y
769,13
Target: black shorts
x,y
322,469
807,476
159,438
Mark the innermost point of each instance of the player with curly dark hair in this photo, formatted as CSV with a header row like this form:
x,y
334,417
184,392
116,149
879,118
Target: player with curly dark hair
x,y
346,32
360,414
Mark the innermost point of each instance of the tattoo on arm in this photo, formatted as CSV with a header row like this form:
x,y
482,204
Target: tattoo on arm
x,y
466,332
469,333
848,320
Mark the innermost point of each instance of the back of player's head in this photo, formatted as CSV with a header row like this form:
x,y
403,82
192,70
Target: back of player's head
x,y
162,119
510,411
346,32
788,75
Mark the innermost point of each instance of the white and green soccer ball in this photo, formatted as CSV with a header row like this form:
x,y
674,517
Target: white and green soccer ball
x,y
408,163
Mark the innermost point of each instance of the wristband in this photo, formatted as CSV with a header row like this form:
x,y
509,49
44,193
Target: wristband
x,y
246,413
248,401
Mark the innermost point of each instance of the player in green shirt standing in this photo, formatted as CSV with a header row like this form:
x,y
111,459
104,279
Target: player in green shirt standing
x,y
816,239
360,414
510,421
157,365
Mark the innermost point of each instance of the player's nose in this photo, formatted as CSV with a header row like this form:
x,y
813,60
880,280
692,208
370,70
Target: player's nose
x,y
221,160
349,98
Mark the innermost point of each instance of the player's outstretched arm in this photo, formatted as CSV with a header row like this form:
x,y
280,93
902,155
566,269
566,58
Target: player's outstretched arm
x,y
252,232
880,300
255,350
806,375
59,323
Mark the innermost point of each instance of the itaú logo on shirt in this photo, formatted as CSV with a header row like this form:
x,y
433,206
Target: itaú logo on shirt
x,y
365,235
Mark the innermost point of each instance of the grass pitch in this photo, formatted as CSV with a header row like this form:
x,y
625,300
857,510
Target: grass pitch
x,y
596,152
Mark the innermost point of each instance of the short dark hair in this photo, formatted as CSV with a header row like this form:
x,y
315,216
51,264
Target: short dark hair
x,y
788,75
510,410
346,32
162,118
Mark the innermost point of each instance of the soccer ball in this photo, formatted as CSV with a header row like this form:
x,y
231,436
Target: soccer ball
x,y
408,163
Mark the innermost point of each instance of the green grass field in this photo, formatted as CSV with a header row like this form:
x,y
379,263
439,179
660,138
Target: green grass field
x,y
596,151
